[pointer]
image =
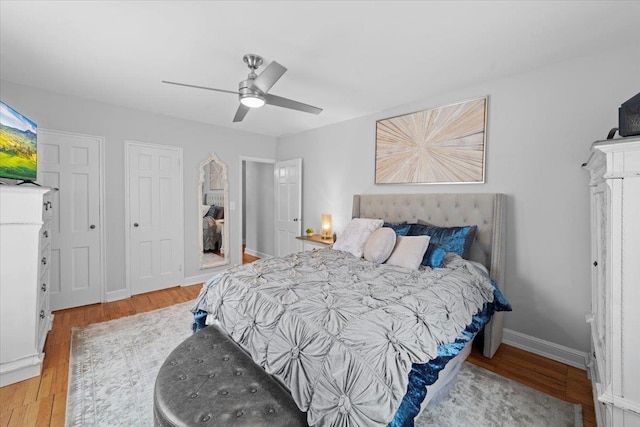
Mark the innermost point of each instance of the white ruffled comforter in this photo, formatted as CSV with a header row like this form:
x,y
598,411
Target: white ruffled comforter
x,y
340,332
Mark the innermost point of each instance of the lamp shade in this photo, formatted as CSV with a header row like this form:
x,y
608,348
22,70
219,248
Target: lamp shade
x,y
325,221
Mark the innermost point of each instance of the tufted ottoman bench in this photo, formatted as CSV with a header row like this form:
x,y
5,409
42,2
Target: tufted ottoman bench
x,y
208,380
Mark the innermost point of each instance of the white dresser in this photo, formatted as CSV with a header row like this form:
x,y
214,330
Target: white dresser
x,y
615,246
26,215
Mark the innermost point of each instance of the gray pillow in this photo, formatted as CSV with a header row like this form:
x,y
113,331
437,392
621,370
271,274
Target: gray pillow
x,y
409,251
380,245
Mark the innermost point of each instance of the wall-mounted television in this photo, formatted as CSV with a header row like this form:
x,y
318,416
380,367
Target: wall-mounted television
x,y
18,139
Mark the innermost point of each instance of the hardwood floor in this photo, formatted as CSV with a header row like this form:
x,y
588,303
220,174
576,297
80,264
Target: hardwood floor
x,y
41,401
246,258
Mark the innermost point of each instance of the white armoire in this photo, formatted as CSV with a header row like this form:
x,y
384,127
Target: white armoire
x,y
615,281
26,214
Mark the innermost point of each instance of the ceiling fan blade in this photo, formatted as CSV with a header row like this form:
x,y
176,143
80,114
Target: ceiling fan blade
x,y
288,103
200,87
269,76
242,111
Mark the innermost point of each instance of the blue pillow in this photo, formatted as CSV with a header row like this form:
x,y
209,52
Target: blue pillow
x,y
211,212
401,228
444,239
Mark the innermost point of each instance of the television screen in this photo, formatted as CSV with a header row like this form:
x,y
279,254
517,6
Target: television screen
x,y
17,145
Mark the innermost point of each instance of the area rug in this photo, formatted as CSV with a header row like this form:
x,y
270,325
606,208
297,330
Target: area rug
x,y
113,368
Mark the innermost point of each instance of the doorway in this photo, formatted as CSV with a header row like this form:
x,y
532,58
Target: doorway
x,y
256,213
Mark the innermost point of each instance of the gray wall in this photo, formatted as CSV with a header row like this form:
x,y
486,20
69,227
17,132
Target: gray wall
x,y
259,209
116,124
540,127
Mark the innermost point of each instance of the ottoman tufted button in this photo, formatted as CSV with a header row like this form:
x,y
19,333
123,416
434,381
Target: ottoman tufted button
x,y
239,413
212,375
271,411
224,392
226,358
182,377
206,418
200,361
194,395
253,390
238,373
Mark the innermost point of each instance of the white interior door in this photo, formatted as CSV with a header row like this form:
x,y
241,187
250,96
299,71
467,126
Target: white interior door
x,y
71,163
288,195
155,206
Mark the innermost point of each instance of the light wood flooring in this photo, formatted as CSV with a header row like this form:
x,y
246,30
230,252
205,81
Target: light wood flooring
x,y
41,401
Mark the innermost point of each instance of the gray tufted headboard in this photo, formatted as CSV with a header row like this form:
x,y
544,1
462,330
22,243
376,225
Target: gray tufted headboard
x,y
487,211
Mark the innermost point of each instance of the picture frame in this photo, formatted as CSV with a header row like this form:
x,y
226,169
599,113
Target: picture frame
x,y
442,145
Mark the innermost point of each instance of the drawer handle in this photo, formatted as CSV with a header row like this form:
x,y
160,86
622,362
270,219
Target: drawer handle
x,y
595,263
41,314
46,234
44,261
44,287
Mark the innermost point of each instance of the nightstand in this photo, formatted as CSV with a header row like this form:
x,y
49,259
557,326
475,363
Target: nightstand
x,y
308,243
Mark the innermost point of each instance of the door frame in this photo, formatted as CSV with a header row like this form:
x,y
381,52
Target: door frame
x,y
241,194
127,227
101,193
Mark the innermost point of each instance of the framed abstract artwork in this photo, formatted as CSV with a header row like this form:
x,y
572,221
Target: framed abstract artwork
x,y
435,146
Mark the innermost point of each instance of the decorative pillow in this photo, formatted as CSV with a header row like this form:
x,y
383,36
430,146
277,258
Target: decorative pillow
x,y
401,228
380,245
219,214
409,251
211,212
444,239
356,234
476,253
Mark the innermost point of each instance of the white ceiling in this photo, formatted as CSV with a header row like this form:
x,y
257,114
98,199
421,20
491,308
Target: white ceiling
x,y
350,58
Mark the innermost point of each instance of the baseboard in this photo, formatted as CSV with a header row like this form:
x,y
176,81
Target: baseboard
x,y
195,280
257,254
553,351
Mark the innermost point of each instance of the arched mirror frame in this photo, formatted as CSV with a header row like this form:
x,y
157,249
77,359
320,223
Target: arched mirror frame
x,y
225,234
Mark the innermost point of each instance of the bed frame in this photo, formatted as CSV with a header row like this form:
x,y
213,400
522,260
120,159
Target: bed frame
x,y
487,211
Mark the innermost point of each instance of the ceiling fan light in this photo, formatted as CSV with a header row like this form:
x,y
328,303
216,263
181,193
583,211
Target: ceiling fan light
x,y
252,101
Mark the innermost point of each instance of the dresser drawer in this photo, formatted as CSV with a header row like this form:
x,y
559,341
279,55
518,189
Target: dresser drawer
x,y
45,235
42,320
47,207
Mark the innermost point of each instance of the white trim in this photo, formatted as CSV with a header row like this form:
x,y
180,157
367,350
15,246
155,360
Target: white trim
x,y
117,295
128,143
101,197
21,369
201,278
241,193
559,353
256,253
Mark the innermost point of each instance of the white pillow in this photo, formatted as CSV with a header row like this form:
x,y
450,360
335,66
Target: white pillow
x,y
380,245
409,251
355,236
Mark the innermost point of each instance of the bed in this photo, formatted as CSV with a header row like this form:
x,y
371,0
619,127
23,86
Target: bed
x,y
213,223
361,343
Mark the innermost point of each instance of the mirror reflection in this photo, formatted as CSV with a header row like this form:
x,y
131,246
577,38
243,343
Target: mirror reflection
x,y
213,200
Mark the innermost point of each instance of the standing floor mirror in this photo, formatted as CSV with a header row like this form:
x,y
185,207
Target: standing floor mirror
x,y
213,200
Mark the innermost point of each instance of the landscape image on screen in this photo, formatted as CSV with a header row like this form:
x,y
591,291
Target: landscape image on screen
x,y
17,145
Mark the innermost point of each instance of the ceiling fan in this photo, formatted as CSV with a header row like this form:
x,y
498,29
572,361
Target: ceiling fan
x,y
253,91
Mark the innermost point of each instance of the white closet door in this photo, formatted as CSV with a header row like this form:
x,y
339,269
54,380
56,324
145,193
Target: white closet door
x,y
71,163
155,205
288,194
